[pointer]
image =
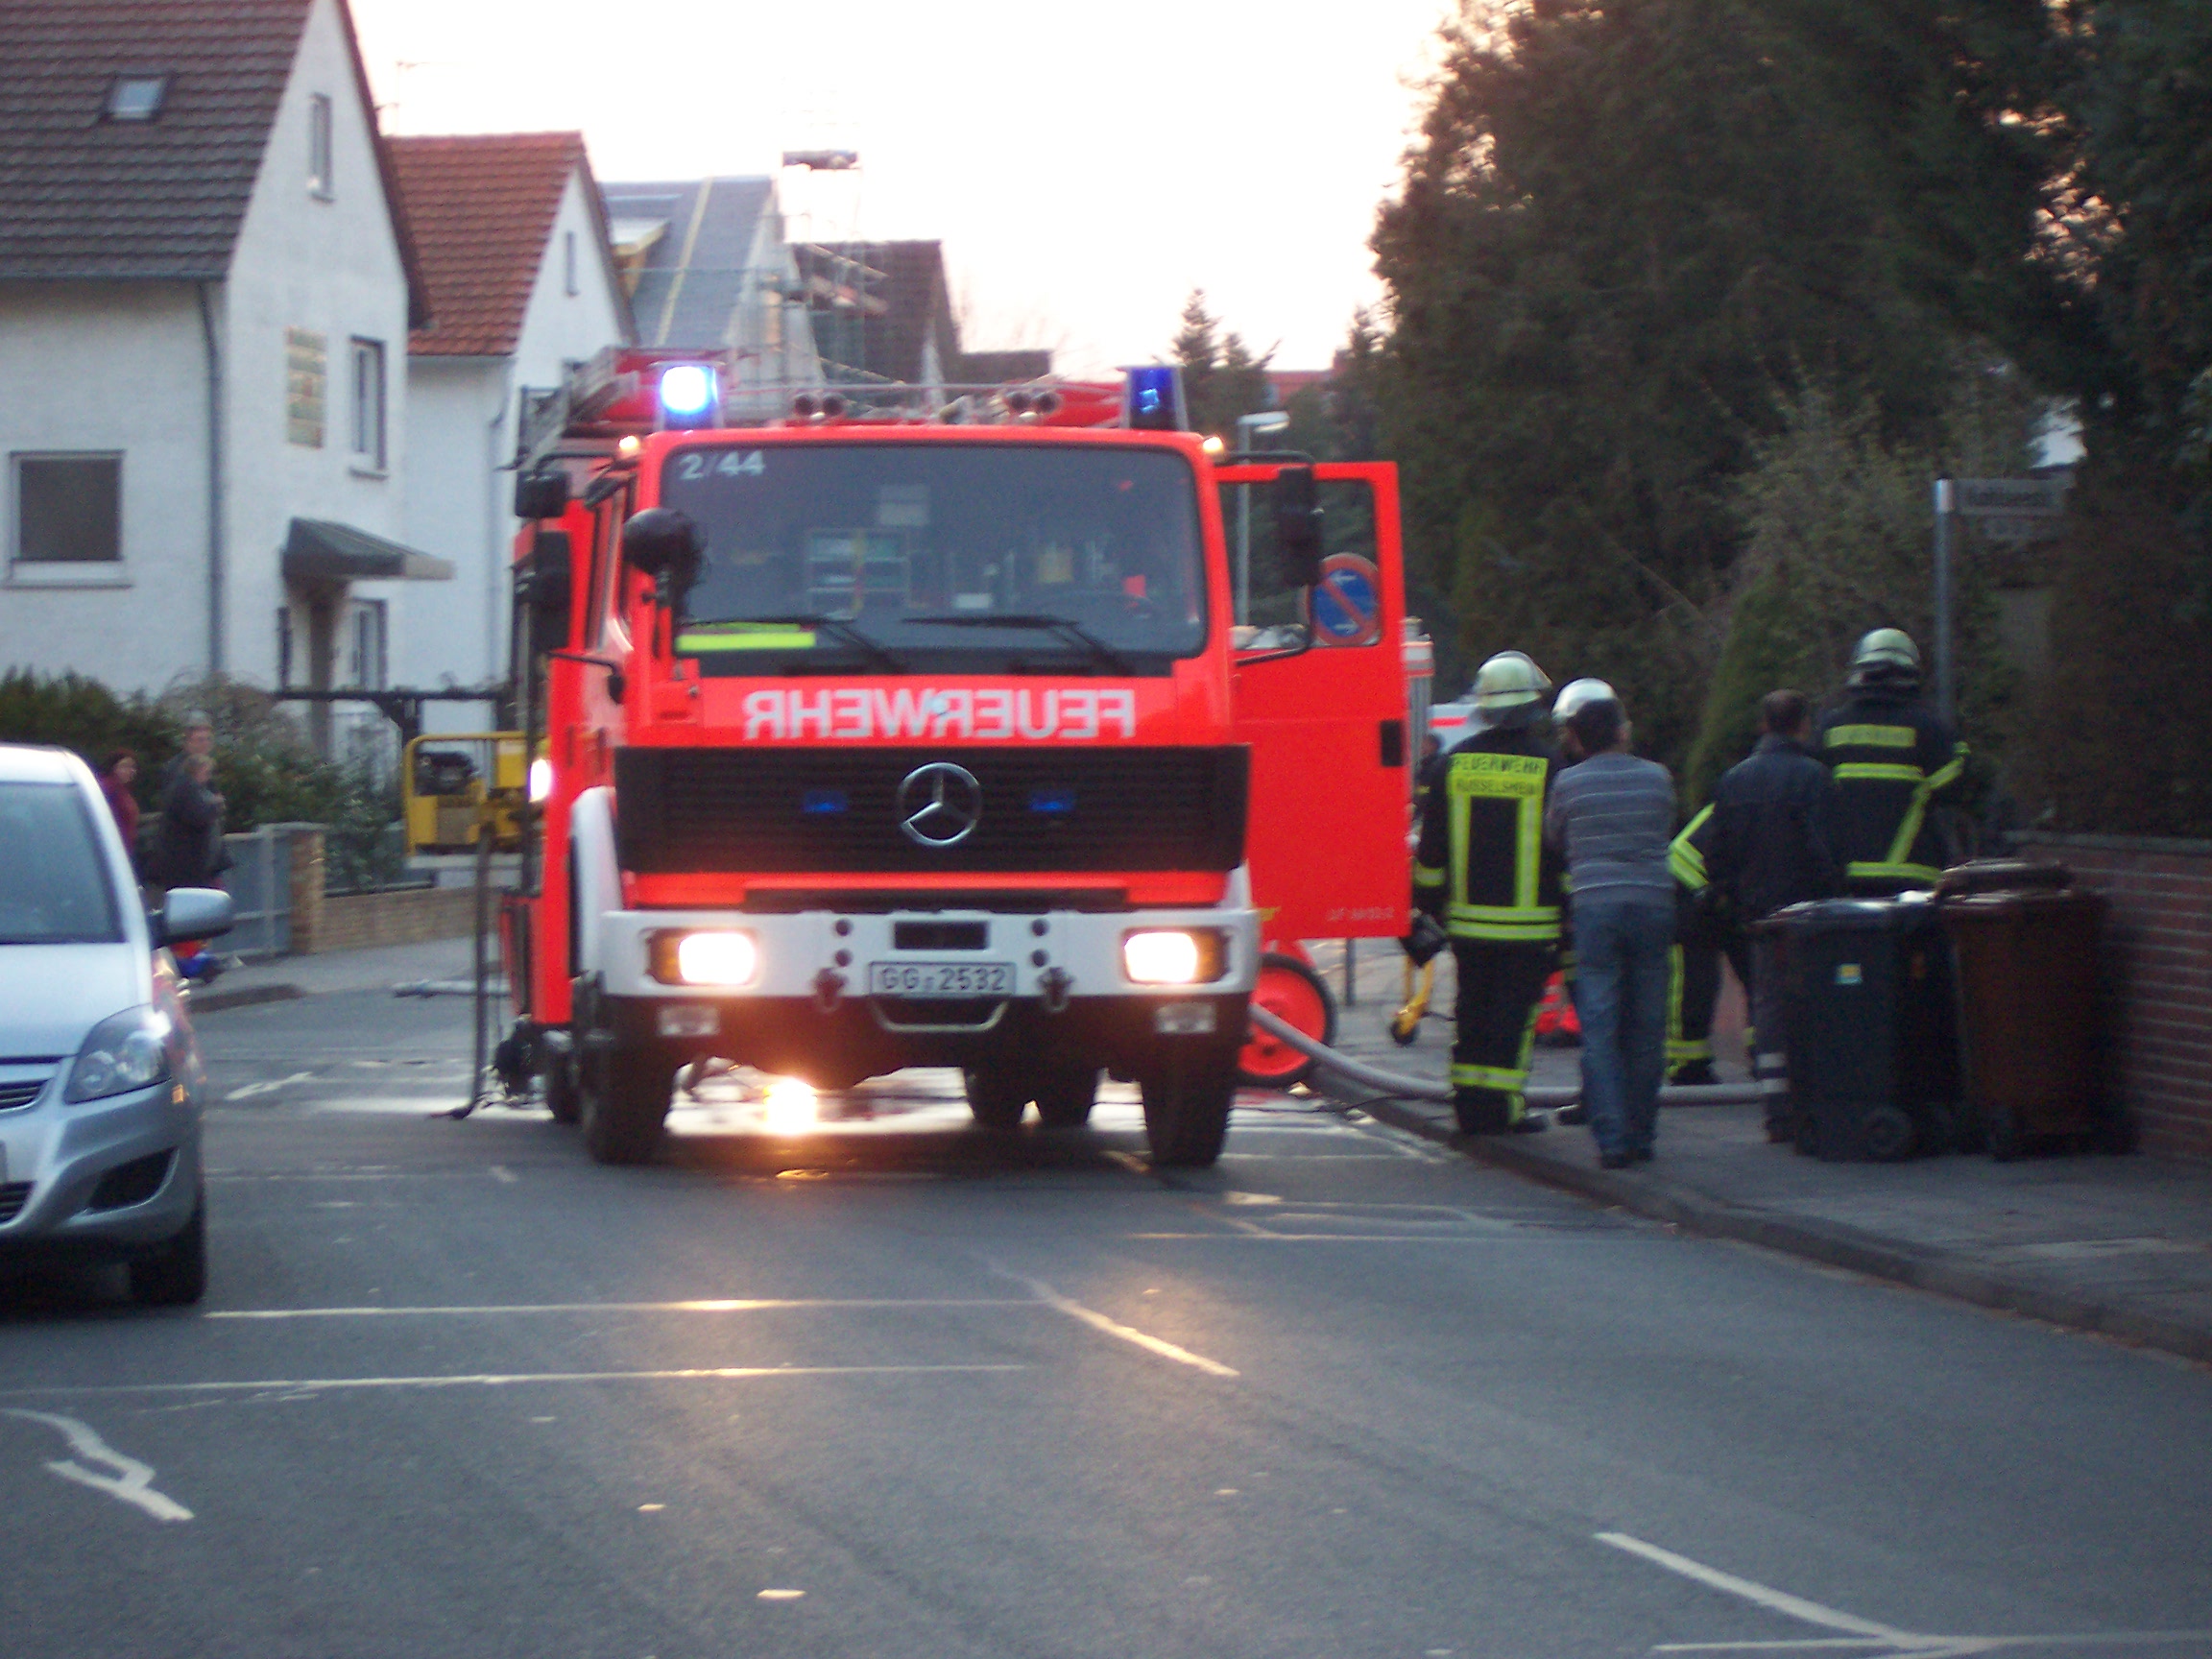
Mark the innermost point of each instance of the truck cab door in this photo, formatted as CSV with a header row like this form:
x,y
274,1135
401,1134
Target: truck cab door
x,y
1333,744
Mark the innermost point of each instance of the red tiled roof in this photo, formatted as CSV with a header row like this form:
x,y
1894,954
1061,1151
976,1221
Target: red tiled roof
x,y
482,207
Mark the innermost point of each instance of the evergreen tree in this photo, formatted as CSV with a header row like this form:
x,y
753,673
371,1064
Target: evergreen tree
x,y
1221,378
1630,229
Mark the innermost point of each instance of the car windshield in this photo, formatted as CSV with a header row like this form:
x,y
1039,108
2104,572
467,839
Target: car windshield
x,y
53,887
976,557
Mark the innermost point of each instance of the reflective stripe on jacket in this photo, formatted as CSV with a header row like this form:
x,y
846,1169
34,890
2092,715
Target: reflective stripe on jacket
x,y
1891,757
1481,866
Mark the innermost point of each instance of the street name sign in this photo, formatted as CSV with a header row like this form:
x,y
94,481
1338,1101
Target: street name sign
x,y
2012,498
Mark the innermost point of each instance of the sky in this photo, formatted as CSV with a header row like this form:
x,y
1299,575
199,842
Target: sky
x,y
1086,167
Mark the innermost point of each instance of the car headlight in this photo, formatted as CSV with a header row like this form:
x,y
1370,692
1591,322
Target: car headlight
x,y
125,1051
1177,957
722,956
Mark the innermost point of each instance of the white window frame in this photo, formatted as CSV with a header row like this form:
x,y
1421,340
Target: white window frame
x,y
321,147
368,644
25,572
369,417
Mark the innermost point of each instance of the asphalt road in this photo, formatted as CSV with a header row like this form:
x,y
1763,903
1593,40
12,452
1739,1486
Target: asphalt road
x,y
885,1387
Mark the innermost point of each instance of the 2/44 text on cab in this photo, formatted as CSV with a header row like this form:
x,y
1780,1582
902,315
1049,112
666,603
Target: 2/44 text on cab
x,y
1071,713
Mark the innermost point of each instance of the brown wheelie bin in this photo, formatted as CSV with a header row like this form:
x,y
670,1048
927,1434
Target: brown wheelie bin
x,y
2026,944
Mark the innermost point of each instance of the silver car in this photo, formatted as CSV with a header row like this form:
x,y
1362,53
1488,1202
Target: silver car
x,y
100,1073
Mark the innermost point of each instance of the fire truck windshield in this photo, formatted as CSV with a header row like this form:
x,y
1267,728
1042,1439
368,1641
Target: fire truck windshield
x,y
974,558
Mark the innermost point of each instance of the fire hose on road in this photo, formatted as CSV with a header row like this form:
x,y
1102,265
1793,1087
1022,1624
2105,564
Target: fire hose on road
x,y
1405,1088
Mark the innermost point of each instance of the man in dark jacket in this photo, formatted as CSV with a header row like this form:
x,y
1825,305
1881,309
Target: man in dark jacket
x,y
190,851
1770,841
1893,758
1483,869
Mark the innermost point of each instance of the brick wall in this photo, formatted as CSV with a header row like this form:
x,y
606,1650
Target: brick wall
x,y
2158,962
355,921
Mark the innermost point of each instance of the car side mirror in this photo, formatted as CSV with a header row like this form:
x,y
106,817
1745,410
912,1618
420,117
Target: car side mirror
x,y
1298,525
665,544
191,913
540,495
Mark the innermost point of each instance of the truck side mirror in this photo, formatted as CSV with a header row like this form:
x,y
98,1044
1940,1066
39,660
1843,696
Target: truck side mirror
x,y
1298,525
540,495
665,544
547,589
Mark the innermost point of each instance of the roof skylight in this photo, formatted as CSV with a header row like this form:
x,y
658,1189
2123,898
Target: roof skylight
x,y
136,97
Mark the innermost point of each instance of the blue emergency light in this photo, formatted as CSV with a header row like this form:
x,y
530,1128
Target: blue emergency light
x,y
1152,398
690,395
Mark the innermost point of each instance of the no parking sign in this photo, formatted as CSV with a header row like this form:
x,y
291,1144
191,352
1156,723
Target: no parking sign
x,y
1345,607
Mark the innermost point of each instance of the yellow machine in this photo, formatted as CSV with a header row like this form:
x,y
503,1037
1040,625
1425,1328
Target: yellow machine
x,y
456,783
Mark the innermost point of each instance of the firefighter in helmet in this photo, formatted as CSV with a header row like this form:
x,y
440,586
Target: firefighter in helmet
x,y
1483,870
1893,758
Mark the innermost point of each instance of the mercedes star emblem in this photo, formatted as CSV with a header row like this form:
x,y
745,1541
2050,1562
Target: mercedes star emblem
x,y
940,804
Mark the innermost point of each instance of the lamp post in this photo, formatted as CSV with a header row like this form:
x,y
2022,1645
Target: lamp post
x,y
1248,427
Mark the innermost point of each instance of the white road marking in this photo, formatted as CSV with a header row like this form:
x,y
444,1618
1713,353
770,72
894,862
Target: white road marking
x,y
133,1481
1098,1321
1763,1596
504,1176
268,1087
502,1380
755,1305
1865,1635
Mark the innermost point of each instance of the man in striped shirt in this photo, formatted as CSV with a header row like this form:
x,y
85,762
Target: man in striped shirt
x,y
1612,817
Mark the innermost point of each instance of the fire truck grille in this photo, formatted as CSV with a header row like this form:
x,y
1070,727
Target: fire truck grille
x,y
847,809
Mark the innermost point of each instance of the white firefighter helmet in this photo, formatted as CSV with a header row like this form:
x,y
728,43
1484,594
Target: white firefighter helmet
x,y
1886,656
1508,682
1577,694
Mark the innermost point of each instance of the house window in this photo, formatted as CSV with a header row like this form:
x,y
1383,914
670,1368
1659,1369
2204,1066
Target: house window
x,y
318,145
136,97
366,645
568,260
68,509
369,405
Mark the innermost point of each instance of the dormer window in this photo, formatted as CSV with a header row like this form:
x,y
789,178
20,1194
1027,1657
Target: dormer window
x,y
136,97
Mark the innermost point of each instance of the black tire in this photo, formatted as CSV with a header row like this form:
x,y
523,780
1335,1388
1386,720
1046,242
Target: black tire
x,y
174,1274
558,1078
1064,1094
996,1098
625,1103
1886,1133
1187,1104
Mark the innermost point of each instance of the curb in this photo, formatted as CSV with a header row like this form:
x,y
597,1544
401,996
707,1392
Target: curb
x,y
241,997
1936,1271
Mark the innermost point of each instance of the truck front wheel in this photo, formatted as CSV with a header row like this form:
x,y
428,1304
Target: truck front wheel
x,y
996,1096
1064,1094
625,1103
1187,1101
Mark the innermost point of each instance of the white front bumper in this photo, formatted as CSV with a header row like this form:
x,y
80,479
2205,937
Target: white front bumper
x,y
796,949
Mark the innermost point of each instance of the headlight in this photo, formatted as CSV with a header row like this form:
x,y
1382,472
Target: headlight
x,y
1197,956
540,780
722,957
126,1051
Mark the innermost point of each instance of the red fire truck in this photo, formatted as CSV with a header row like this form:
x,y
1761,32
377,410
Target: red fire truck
x,y
1006,729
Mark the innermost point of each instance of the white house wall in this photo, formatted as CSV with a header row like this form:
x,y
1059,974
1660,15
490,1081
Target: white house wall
x,y
116,368
463,413
459,432
332,267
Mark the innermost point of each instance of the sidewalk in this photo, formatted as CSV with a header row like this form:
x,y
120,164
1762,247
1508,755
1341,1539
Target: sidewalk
x,y
282,978
2117,1245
